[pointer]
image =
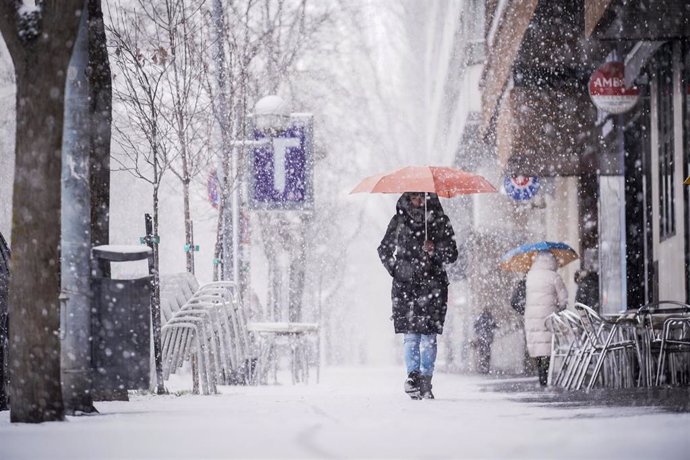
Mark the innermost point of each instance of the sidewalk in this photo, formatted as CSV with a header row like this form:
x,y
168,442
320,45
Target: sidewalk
x,y
526,390
358,413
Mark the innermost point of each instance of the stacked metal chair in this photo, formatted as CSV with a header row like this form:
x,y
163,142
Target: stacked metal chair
x,y
588,349
569,349
564,347
205,324
675,339
664,341
612,344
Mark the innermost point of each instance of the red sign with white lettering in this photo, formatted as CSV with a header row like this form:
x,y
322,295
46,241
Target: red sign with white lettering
x,y
607,89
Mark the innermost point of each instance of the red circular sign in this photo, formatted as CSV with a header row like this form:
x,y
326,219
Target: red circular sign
x,y
607,89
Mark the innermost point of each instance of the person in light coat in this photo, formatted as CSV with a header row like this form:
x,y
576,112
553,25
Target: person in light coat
x,y
546,294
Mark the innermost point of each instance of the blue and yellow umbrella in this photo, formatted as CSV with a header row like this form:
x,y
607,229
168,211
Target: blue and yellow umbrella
x,y
520,259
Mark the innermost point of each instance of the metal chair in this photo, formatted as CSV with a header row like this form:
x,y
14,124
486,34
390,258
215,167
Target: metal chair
x,y
561,347
202,324
579,343
605,339
651,320
675,339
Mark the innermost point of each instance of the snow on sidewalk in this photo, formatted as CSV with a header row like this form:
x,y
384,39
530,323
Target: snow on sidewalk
x,y
353,413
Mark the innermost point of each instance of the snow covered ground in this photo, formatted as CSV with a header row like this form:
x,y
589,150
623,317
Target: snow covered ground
x,y
352,413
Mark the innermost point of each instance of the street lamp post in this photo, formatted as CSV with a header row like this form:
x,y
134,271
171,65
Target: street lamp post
x,y
270,114
281,189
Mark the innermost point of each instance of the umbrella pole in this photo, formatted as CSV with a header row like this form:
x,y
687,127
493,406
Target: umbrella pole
x,y
426,237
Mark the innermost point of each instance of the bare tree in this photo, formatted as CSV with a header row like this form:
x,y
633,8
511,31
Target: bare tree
x,y
262,42
178,30
37,38
140,129
361,128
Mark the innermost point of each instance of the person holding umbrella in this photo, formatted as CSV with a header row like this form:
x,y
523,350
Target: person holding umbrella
x,y
545,293
418,242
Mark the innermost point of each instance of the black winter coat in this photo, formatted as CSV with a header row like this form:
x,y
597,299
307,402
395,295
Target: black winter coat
x,y
420,283
519,296
588,290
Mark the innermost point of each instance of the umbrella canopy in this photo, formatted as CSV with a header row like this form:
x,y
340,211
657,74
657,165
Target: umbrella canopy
x,y
520,259
443,181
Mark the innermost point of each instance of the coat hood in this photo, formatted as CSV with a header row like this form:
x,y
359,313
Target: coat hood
x,y
544,260
433,208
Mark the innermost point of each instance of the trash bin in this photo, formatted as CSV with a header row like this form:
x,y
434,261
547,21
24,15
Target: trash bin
x,y
121,325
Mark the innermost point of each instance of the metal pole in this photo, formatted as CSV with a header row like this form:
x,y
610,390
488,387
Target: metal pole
x,y
75,258
426,237
191,237
151,241
236,219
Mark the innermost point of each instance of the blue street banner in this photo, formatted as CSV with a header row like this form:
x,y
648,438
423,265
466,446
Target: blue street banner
x,y
521,188
281,167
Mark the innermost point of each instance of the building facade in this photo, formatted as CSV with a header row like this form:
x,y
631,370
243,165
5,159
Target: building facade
x,y
452,44
625,171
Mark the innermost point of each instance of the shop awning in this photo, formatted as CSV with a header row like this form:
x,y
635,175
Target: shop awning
x,y
637,20
594,12
544,132
504,40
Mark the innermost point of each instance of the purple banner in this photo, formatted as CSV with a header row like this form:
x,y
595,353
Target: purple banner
x,y
281,168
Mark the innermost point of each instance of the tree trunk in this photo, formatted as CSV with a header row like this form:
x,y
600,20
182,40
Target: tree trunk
x,y
189,230
37,40
34,280
156,305
223,250
189,240
179,104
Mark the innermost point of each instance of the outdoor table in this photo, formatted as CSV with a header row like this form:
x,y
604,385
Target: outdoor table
x,y
296,333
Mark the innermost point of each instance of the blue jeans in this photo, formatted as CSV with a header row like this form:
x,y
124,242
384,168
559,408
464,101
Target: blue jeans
x,y
420,353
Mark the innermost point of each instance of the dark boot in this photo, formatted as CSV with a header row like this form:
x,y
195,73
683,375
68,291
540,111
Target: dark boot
x,y
412,383
425,387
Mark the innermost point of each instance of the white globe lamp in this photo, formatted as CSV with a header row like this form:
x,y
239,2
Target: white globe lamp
x,y
271,113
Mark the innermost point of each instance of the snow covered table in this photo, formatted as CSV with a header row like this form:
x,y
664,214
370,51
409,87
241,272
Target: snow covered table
x,y
270,334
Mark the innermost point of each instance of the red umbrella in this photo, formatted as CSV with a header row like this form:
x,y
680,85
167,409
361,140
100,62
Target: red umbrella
x,y
443,181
